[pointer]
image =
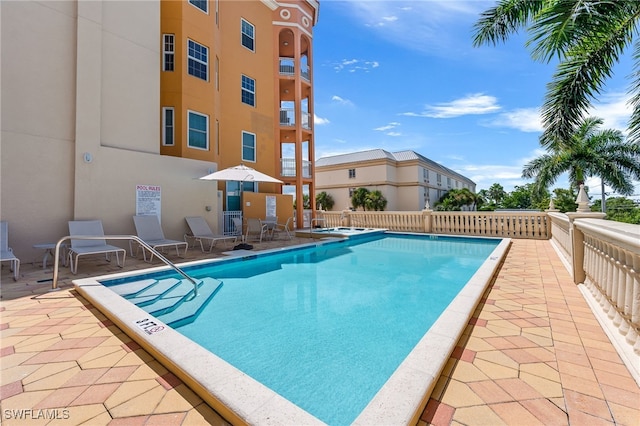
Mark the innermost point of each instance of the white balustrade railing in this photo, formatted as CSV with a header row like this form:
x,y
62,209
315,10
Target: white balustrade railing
x,y
611,266
491,224
560,226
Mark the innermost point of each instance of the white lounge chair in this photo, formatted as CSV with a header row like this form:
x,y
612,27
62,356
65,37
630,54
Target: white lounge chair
x,y
237,224
257,228
81,247
283,227
200,232
6,253
149,230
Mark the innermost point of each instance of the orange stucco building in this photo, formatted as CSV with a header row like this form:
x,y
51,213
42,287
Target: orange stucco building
x,y
154,93
236,87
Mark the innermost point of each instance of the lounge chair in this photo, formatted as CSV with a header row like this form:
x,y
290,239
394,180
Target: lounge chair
x,y
257,228
6,253
200,232
81,247
149,230
283,227
237,224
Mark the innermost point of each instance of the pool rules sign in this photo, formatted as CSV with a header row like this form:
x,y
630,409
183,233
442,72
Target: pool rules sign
x,y
148,200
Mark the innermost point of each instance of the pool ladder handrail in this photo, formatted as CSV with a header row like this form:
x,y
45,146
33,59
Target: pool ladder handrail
x,y
56,258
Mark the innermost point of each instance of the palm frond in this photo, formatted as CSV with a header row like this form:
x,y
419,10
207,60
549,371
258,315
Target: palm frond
x,y
634,90
578,80
564,23
498,23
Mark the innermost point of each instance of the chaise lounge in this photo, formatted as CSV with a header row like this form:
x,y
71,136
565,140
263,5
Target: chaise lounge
x,y
82,247
6,253
149,230
200,232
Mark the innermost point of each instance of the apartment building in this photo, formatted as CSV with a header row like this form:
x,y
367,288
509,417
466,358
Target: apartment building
x,y
406,179
102,99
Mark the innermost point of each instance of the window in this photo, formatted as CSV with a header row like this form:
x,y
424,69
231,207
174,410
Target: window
x,y
167,126
439,179
352,173
197,56
248,146
248,90
200,4
449,182
425,175
247,38
198,125
351,192
168,52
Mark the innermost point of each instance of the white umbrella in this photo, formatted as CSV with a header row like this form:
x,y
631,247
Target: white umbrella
x,y
241,173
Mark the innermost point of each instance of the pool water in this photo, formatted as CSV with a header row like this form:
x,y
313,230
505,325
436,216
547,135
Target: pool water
x,y
325,327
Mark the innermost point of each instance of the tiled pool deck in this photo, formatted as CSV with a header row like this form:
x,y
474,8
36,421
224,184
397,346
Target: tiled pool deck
x,y
532,354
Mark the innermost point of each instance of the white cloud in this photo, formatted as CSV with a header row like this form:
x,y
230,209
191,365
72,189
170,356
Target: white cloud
x,y
389,126
354,65
393,134
614,109
477,103
523,119
431,22
319,121
341,101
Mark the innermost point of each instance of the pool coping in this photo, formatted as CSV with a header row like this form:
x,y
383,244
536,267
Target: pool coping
x,y
241,399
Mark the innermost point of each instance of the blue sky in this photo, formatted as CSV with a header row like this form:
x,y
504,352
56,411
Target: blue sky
x,y
401,75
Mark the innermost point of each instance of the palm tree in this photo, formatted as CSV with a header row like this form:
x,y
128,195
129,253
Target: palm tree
x,y
496,193
588,152
325,200
375,201
587,36
455,199
359,198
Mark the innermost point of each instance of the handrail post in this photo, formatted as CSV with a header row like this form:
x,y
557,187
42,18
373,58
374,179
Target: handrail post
x,y
56,261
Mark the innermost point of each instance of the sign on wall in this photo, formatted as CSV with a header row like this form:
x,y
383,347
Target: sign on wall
x,y
148,200
271,205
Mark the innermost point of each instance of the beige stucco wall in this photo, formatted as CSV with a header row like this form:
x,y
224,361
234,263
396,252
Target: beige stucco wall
x,y
83,77
401,183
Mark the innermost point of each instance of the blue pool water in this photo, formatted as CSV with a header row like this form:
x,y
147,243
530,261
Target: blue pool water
x,y
325,327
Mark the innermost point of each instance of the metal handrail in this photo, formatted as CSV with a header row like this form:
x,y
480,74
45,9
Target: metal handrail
x,y
56,259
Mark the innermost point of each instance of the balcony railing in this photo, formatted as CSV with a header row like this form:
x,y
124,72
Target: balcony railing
x,y
287,117
306,120
304,73
288,168
287,67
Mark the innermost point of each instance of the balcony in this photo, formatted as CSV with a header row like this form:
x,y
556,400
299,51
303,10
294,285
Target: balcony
x,y
288,168
287,117
306,120
287,67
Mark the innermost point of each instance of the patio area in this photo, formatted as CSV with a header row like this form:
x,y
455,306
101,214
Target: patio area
x,y
533,353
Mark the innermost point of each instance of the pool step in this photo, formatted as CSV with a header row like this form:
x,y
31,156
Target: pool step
x,y
131,289
172,298
190,307
154,292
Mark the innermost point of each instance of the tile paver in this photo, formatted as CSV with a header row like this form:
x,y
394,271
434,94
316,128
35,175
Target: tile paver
x,y
533,353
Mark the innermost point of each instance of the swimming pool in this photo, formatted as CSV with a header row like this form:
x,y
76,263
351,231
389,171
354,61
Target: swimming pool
x,y
403,299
